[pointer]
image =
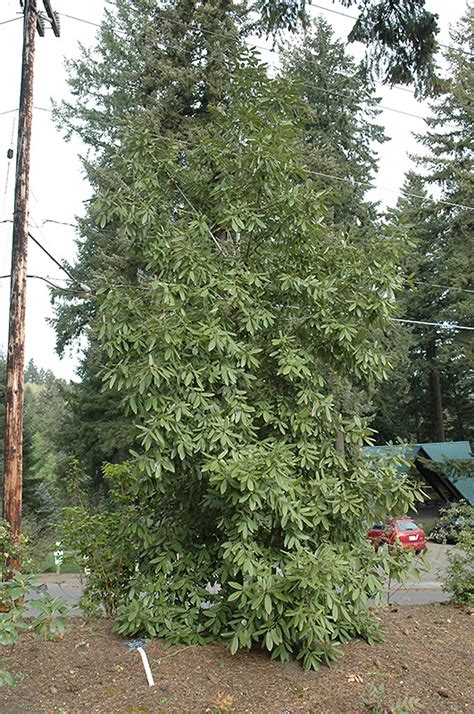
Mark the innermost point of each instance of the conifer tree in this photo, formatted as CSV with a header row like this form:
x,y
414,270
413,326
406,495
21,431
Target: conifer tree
x,y
441,223
341,129
399,35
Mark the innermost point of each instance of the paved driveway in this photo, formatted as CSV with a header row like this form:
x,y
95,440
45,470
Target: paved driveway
x,y
425,587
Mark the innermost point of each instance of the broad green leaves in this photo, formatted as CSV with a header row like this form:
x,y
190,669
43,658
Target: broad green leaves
x,y
243,311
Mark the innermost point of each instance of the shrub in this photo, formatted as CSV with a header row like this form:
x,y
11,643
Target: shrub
x,y
459,578
48,623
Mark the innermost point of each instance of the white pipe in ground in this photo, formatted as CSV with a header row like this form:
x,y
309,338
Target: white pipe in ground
x,y
146,666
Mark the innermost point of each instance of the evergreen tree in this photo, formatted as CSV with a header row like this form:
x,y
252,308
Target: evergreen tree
x,y
36,375
440,373
399,35
341,131
44,457
95,429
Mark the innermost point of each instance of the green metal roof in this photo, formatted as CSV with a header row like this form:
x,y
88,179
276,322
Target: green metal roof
x,y
438,452
454,450
448,450
407,451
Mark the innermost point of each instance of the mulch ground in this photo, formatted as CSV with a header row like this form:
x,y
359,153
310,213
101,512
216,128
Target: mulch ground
x,y
427,655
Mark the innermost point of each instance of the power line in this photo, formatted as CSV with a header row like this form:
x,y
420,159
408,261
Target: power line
x,y
354,17
13,19
85,288
46,280
391,190
442,325
59,223
9,158
40,109
449,288
79,19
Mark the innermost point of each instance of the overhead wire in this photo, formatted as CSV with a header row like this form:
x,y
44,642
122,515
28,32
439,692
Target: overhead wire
x,y
57,262
354,17
88,293
442,325
402,191
12,19
36,223
4,255
40,109
9,160
447,288
48,281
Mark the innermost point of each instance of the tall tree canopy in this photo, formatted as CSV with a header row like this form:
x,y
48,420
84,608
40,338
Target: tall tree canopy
x,y
438,403
341,130
400,35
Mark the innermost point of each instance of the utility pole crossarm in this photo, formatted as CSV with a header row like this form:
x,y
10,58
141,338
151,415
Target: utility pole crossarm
x,y
53,17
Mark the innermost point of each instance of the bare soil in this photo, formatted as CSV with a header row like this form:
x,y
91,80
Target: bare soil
x,y
427,655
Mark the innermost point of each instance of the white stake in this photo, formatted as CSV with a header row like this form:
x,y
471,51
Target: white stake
x,y
146,665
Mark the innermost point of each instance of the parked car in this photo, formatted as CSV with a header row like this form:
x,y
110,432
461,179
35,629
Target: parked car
x,y
401,531
448,532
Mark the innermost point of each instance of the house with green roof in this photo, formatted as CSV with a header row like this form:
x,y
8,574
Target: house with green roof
x,y
447,467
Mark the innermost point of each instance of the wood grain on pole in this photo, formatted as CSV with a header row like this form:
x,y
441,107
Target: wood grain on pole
x,y
14,396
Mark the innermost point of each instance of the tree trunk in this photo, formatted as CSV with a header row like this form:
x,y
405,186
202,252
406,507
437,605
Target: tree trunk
x,y
340,446
435,393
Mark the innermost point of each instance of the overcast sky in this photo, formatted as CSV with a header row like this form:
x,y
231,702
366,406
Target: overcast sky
x,y
58,189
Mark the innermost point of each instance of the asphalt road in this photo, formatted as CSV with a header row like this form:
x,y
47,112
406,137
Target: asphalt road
x,y
424,587
419,590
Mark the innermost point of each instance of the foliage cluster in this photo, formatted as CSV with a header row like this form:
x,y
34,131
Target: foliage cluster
x,y
374,702
237,516
458,522
14,589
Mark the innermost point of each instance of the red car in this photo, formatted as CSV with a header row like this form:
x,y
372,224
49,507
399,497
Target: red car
x,y
403,531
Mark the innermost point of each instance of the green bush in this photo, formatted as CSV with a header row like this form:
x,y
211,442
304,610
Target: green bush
x,y
294,598
459,578
232,350
15,586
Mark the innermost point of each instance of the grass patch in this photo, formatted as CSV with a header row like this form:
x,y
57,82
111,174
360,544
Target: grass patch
x,y
46,564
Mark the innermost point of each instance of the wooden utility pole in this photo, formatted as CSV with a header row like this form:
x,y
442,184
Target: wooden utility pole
x,y
14,395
